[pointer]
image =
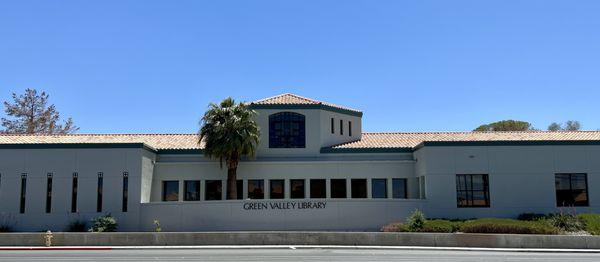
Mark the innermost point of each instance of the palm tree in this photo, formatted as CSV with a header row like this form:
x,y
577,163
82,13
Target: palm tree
x,y
228,131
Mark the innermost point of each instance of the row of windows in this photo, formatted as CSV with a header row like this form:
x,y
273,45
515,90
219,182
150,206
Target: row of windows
x,y
256,189
341,127
474,190
74,192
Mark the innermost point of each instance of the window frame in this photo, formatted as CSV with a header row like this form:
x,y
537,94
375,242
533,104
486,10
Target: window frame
x,y
99,191
125,193
74,191
405,188
342,127
385,189
287,139
49,185
292,188
23,193
164,191
586,190
366,188
470,192
332,191
332,125
311,191
251,194
218,195
282,181
198,192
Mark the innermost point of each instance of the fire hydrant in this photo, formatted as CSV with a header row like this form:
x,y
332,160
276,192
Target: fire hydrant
x,y
48,237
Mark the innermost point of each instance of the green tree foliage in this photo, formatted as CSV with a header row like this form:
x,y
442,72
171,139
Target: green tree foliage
x,y
30,114
570,125
506,125
228,131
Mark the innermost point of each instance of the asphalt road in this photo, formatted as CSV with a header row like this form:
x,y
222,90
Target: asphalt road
x,y
289,255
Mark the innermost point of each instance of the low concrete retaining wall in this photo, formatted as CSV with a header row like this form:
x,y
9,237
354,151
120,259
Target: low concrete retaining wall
x,y
303,238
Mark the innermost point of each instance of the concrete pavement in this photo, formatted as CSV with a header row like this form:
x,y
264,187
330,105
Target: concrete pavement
x,y
312,254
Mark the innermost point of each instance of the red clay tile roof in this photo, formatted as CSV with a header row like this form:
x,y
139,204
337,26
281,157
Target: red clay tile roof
x,y
369,140
292,99
411,140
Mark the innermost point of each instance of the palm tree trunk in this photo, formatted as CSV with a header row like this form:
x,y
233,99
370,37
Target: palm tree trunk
x,y
231,183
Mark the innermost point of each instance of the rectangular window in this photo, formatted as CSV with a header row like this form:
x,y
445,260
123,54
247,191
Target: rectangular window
x,y
170,191
256,189
472,191
379,188
240,189
318,189
399,188
214,190
49,192
125,191
349,128
359,188
341,127
23,193
332,126
571,190
74,186
297,188
191,190
277,190
99,192
338,188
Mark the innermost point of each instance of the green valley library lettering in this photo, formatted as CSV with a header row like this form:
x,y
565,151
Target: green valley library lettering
x,y
314,169
284,205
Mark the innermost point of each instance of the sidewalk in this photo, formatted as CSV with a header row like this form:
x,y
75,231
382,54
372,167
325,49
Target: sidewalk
x,y
79,248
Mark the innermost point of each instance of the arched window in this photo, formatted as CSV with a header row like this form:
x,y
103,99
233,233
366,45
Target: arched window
x,y
287,130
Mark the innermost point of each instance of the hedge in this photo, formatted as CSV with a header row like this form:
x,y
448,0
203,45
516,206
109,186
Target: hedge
x,y
591,222
507,226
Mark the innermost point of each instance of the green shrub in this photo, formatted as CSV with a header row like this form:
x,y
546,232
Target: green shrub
x,y
416,221
440,226
395,227
77,225
507,226
591,223
104,224
567,222
531,216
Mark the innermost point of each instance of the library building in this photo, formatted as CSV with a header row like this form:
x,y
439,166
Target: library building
x,y
314,169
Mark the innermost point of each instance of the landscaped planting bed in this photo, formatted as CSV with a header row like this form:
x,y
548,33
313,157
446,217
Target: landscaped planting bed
x,y
550,224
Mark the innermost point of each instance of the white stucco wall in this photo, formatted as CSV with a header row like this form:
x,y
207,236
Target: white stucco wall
x,y
36,163
521,178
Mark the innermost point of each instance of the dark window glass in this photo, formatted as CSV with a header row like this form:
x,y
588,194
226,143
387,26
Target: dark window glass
x,y
126,191
341,127
332,126
99,192
399,188
170,191
49,192
214,190
297,188
276,188
240,189
472,191
23,193
287,130
359,188
192,190
349,128
74,187
571,190
256,189
318,189
379,188
338,188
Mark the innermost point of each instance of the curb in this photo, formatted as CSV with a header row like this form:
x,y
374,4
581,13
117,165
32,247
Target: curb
x,y
417,248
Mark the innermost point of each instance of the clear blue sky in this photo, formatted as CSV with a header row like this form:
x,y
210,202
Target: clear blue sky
x,y
153,66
